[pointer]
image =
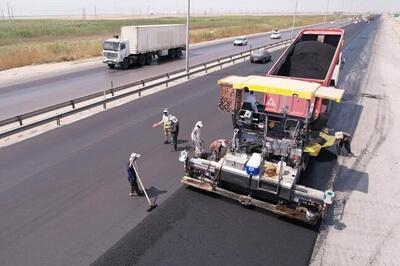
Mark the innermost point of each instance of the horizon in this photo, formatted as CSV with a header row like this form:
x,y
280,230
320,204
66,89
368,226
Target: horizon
x,y
94,8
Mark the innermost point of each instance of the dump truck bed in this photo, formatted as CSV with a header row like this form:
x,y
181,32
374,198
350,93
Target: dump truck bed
x,y
312,56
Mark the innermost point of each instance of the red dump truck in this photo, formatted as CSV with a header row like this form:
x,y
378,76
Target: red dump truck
x,y
314,56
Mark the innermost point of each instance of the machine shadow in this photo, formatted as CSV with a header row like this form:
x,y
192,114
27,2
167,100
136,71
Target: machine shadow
x,y
348,180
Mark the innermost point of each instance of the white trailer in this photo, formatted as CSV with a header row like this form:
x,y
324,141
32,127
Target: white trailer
x,y
141,44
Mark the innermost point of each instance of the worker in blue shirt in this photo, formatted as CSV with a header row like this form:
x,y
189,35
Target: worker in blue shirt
x,y
132,176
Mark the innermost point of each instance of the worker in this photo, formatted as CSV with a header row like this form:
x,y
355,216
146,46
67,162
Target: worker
x,y
167,125
132,176
217,148
343,139
251,99
174,132
196,139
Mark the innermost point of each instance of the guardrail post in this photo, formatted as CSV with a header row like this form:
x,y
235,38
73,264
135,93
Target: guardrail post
x,y
73,104
112,88
59,120
166,83
104,102
20,120
205,67
140,93
143,83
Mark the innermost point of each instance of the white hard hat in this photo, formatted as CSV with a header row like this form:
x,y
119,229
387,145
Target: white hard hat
x,y
223,142
339,135
174,119
134,156
199,124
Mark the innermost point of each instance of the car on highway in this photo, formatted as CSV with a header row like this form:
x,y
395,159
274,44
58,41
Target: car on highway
x,y
276,35
240,41
260,56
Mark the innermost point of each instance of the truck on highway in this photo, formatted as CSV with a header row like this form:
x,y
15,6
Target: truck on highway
x,y
268,154
139,45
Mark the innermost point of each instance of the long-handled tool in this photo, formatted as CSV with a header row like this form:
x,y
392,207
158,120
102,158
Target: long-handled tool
x,y
152,205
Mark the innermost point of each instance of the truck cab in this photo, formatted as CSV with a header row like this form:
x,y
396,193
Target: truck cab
x,y
115,51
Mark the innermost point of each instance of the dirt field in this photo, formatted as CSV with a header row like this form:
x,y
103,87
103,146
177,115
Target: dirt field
x,y
27,42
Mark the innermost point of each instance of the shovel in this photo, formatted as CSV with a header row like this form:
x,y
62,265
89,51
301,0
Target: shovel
x,y
152,205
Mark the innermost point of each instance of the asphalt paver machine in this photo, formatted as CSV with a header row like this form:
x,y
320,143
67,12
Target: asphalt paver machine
x,y
270,147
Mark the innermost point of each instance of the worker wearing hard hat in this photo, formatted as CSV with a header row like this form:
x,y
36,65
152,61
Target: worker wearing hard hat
x,y
174,132
218,148
132,175
167,125
343,139
196,139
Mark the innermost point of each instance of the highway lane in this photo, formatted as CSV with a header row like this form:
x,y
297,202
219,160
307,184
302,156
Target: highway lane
x,y
195,228
26,96
63,194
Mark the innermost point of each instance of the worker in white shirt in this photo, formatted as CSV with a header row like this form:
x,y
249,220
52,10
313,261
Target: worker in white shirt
x,y
167,125
196,139
250,98
218,148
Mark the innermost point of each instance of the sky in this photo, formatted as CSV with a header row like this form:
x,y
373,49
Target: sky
x,y
145,7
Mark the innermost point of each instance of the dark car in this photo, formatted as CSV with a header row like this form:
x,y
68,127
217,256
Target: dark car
x,y
261,56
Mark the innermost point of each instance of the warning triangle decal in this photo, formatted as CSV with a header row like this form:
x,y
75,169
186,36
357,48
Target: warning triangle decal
x,y
271,103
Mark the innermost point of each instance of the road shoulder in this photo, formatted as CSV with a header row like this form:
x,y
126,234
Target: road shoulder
x,y
362,227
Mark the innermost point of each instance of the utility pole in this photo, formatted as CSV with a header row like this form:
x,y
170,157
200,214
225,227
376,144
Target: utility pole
x,y
8,11
327,8
342,8
187,36
84,13
294,19
12,12
95,11
2,13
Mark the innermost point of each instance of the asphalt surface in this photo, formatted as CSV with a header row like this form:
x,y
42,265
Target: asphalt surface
x,y
63,194
193,228
27,96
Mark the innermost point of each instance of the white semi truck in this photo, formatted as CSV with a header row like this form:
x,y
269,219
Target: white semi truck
x,y
139,45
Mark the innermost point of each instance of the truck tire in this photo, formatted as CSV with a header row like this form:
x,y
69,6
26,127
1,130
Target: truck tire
x,y
141,60
178,52
125,63
172,53
111,66
149,59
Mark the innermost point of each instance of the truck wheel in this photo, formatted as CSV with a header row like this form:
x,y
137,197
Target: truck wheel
x,y
125,63
111,66
141,60
149,59
172,53
178,52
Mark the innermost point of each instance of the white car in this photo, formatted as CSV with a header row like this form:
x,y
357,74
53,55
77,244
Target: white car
x,y
241,41
276,35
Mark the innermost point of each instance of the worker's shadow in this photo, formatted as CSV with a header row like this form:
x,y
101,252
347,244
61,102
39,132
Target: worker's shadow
x,y
183,145
153,192
347,180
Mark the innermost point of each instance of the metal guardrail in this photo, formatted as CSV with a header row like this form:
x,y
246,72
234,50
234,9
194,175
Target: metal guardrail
x,y
165,79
